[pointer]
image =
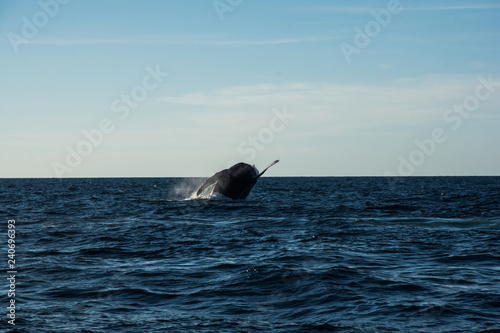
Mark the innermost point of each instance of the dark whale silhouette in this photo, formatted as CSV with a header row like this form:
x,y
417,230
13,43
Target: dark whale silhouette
x,y
235,182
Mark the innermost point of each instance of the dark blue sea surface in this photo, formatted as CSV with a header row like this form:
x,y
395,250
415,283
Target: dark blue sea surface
x,y
361,254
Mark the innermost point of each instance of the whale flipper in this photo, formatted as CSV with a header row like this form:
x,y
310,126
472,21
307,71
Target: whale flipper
x,y
270,165
210,181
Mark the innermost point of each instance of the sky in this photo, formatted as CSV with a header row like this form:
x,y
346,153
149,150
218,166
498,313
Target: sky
x,y
147,88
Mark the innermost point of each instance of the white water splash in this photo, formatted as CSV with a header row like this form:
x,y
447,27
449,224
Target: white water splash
x,y
207,194
186,188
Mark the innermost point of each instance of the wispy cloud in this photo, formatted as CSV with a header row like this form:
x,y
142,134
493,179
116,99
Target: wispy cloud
x,y
72,42
181,40
289,40
353,9
337,9
456,7
329,109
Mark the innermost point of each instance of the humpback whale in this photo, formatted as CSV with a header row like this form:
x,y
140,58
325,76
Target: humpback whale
x,y
235,182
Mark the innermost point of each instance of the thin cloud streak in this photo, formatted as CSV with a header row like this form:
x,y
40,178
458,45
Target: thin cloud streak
x,y
275,41
334,109
184,40
463,7
72,42
356,10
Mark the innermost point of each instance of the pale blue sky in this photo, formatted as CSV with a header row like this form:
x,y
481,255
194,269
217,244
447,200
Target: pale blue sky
x,y
416,93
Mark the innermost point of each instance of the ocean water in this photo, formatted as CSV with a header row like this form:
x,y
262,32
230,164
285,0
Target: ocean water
x,y
363,254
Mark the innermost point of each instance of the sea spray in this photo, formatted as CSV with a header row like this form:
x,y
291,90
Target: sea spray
x,y
185,189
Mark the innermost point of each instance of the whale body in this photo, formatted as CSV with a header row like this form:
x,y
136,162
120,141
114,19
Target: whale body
x,y
235,182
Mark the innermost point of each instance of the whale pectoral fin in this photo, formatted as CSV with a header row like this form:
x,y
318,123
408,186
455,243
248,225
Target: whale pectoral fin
x,y
205,185
270,165
210,181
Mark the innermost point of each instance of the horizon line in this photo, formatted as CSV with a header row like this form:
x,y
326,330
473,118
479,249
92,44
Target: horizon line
x,y
283,176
